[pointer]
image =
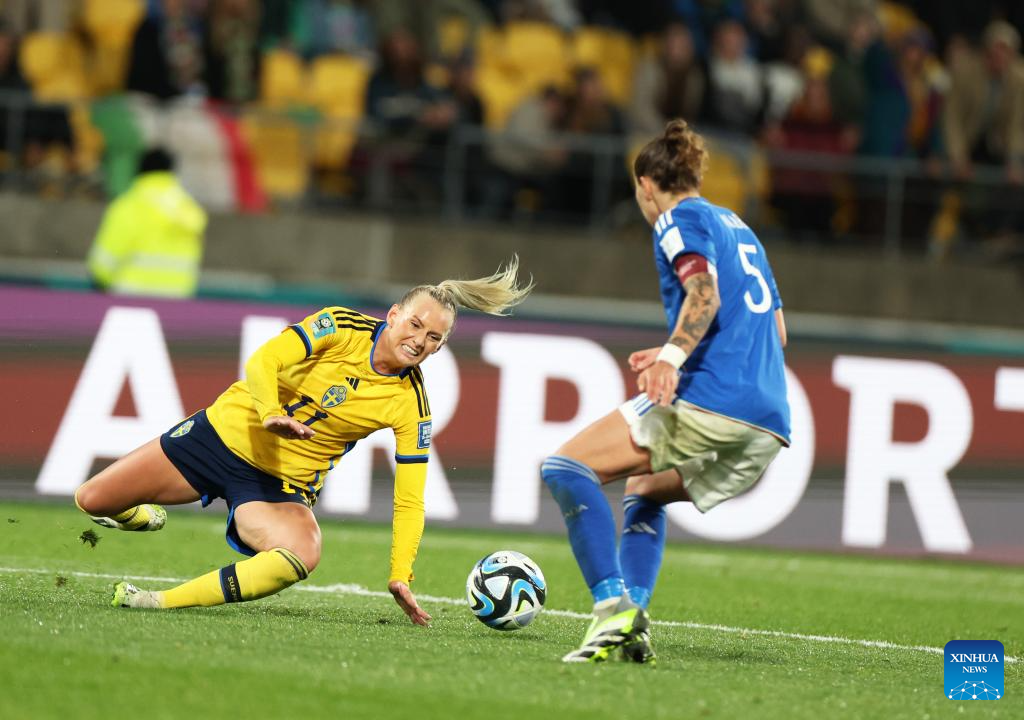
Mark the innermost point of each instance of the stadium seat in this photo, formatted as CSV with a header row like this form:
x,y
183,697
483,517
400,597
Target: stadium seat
x,y
517,62
338,90
337,83
611,53
282,79
279,152
531,53
452,36
896,19
112,23
499,94
108,68
724,182
88,140
54,65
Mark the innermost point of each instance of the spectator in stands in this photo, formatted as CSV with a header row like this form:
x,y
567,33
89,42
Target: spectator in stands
x,y
319,27
590,112
411,119
231,50
703,17
423,19
671,84
166,56
847,83
985,124
807,197
25,16
904,98
45,131
767,23
561,13
150,241
830,20
637,19
737,99
985,109
528,152
11,81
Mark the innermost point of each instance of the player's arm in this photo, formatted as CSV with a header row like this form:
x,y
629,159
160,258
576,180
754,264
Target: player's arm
x,y
297,342
406,533
261,372
780,323
700,305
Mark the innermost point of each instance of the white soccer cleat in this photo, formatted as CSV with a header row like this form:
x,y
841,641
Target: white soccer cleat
x,y
129,596
155,518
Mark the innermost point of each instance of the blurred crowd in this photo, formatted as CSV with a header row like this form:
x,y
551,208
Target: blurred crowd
x,y
936,81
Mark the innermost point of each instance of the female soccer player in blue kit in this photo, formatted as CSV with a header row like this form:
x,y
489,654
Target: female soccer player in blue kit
x,y
712,412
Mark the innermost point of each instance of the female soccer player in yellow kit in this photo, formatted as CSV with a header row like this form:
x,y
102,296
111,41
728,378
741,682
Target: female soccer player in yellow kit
x,y
269,440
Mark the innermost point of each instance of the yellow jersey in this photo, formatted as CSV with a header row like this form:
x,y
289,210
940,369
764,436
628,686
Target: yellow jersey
x,y
320,372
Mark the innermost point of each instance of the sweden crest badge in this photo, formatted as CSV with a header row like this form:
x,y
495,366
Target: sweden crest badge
x,y
334,396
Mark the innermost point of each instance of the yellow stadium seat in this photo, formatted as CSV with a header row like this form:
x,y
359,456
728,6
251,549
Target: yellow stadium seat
x,y
54,65
337,88
611,53
499,95
108,68
489,46
88,140
279,152
452,36
334,141
724,182
337,84
533,54
896,19
112,22
282,79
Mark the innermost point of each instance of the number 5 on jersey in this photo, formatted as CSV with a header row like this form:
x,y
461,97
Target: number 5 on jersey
x,y
765,303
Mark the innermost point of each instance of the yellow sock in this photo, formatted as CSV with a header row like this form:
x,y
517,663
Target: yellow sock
x,y
131,519
263,574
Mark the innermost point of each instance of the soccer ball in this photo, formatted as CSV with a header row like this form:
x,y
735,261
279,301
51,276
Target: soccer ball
x,y
506,590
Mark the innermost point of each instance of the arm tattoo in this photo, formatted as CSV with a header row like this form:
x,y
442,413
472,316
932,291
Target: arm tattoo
x,y
698,311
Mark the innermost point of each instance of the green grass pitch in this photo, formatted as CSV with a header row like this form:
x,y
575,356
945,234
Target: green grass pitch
x,y
741,633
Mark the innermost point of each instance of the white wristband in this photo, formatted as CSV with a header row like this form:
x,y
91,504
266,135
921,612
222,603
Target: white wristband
x,y
672,354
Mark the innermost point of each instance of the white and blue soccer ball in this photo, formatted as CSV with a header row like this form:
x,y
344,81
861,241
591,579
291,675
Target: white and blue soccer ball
x,y
506,590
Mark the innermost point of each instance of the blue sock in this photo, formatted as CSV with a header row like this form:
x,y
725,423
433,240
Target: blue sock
x,y
591,524
642,545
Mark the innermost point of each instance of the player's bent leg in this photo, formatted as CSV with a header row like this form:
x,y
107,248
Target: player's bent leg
x,y
125,494
286,540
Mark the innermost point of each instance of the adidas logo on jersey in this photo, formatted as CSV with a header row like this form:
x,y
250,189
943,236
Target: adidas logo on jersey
x,y
354,382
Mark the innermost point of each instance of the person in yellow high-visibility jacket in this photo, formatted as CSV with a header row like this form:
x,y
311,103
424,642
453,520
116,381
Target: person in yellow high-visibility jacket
x,y
150,241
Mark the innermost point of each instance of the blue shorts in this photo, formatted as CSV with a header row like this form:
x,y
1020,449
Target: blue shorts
x,y
214,471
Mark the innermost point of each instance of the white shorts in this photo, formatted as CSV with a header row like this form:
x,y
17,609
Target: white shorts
x,y
717,457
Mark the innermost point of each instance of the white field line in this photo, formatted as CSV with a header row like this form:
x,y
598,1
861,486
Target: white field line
x,y
353,589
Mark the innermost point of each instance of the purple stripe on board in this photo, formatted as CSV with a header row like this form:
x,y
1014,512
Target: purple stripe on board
x,y
34,313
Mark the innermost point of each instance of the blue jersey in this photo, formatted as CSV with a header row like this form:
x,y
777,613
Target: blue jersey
x,y
737,369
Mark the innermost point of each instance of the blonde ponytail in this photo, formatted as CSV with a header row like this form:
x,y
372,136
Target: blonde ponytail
x,y
495,294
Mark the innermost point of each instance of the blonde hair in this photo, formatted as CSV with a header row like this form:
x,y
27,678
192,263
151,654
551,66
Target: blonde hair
x,y
495,294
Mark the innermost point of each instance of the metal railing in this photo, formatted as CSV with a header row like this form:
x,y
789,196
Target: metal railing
x,y
455,176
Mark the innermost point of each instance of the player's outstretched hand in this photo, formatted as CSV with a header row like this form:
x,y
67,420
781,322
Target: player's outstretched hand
x,y
403,596
659,381
288,428
643,359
